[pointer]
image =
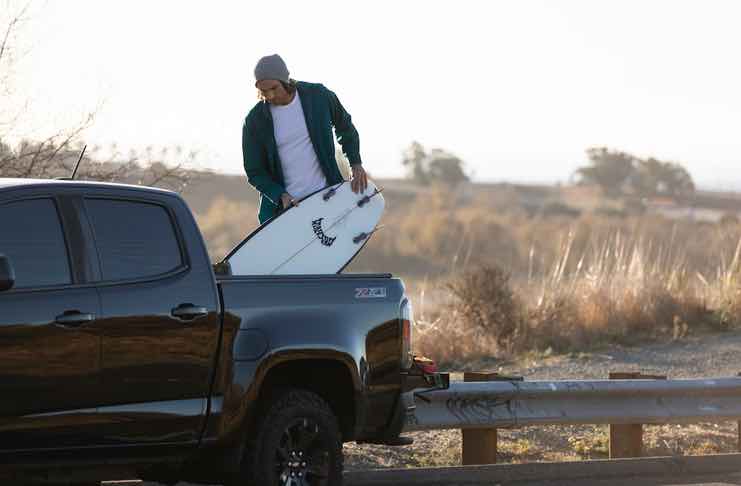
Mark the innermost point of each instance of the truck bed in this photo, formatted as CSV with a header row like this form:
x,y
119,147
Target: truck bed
x,y
358,276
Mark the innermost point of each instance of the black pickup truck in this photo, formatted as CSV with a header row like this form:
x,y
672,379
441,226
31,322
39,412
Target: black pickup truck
x,y
123,354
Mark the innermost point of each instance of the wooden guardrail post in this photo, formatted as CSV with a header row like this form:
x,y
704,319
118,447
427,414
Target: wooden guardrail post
x,y
480,445
626,440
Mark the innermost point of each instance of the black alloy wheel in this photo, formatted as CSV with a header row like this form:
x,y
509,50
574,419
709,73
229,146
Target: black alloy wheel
x,y
302,457
298,443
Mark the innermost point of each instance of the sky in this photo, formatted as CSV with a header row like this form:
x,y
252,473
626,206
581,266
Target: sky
x,y
516,89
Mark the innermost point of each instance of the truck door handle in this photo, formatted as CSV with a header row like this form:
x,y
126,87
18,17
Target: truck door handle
x,y
74,318
188,312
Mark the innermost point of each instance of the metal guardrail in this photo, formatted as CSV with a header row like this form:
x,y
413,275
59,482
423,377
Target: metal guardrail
x,y
511,404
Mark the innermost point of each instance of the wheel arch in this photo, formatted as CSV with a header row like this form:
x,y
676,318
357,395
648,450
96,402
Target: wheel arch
x,y
329,378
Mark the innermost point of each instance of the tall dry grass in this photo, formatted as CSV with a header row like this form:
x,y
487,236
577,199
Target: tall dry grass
x,y
620,290
490,277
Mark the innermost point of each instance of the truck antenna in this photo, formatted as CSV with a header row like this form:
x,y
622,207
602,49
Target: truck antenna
x,y
77,165
74,171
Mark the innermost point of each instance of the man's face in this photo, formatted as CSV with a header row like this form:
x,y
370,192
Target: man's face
x,y
273,91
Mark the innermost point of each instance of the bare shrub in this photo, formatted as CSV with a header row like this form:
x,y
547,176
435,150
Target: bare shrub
x,y
484,300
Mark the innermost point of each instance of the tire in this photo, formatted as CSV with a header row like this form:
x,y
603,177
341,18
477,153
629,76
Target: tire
x,y
297,443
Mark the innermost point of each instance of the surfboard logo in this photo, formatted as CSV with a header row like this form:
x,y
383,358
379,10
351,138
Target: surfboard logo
x,y
319,232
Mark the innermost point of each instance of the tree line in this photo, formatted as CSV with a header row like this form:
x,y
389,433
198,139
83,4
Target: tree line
x,y
614,171
617,173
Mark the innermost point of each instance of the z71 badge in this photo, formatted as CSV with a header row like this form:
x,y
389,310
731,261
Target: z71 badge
x,y
371,293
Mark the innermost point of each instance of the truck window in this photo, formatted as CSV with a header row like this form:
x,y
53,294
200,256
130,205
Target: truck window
x,y
31,236
134,239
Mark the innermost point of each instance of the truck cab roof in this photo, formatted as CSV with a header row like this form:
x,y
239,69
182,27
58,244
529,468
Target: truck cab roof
x,y
17,183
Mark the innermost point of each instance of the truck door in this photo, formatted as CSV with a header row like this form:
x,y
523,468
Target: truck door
x,y
49,349
159,326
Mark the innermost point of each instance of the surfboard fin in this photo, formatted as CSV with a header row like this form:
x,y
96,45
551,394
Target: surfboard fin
x,y
328,195
364,236
362,202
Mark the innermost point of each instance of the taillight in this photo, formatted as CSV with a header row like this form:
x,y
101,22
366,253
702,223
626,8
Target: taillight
x,y
407,328
427,366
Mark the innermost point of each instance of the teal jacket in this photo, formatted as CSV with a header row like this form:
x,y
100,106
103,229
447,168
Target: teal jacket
x,y
322,111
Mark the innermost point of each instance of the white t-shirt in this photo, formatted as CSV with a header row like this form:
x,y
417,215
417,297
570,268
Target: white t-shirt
x,y
301,170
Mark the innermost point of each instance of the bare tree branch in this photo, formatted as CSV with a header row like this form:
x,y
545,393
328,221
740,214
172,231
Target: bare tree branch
x,y
54,155
13,21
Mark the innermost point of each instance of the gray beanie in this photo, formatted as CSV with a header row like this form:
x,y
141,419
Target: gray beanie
x,y
271,67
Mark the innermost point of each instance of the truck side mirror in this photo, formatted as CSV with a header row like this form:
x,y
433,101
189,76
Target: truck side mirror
x,y
7,274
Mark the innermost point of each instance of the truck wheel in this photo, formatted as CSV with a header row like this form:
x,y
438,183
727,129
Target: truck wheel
x,y
298,443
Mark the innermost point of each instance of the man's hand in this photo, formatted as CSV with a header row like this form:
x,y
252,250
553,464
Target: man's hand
x,y
287,200
359,179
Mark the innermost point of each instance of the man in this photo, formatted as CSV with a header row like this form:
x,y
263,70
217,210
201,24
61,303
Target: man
x,y
287,140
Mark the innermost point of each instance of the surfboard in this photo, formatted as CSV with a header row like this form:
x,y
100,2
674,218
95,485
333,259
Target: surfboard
x,y
319,236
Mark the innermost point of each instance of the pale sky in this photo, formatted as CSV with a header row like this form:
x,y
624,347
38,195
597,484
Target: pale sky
x,y
517,89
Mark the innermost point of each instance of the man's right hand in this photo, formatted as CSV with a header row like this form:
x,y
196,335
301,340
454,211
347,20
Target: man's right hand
x,y
287,200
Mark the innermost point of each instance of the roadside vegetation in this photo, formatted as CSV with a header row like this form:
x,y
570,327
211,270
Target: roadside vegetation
x,y
617,292
491,276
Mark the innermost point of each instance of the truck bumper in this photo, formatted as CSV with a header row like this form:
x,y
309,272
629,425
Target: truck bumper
x,y
422,376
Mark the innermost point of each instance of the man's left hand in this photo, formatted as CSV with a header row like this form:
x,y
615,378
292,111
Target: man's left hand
x,y
359,179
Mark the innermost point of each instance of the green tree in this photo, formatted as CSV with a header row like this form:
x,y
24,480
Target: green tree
x,y
445,167
645,181
677,180
654,177
437,165
413,160
608,169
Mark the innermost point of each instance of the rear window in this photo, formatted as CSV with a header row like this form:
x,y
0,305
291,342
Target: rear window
x,y
134,239
31,237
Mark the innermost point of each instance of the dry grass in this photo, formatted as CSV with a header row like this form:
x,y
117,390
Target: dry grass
x,y
582,283
491,277
225,224
546,443
620,292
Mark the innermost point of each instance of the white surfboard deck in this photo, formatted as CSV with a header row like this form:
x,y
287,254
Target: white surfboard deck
x,y
319,236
